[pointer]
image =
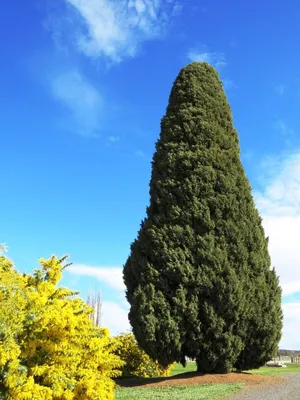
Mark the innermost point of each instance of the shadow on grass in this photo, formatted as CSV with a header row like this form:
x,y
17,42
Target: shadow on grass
x,y
138,382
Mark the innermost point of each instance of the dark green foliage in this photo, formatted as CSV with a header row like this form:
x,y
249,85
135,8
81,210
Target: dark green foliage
x,y
264,323
198,277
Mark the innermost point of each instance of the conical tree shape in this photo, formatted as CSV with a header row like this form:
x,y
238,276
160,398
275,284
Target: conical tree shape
x,y
201,251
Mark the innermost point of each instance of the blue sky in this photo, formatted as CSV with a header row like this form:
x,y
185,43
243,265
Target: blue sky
x,y
84,84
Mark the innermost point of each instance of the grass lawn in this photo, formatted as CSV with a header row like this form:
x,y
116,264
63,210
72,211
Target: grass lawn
x,y
201,392
270,371
276,371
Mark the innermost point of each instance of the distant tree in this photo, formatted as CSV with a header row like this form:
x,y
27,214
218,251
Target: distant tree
x,y
95,302
198,276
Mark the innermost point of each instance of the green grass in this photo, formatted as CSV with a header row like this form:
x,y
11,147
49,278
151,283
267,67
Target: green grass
x,y
179,369
270,371
201,392
276,371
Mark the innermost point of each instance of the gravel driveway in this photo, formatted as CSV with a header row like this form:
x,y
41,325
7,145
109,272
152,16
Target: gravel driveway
x,y
289,390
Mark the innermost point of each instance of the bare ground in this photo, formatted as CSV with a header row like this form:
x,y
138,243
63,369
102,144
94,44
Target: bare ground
x,y
192,378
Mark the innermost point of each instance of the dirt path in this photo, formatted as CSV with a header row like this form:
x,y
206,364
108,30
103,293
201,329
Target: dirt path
x,y
287,389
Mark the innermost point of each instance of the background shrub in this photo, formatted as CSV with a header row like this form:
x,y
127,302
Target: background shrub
x,y
136,361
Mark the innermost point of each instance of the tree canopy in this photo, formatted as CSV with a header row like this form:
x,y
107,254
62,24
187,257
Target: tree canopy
x,y
198,277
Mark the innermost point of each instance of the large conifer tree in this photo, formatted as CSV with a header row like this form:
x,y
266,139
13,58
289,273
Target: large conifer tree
x,y
198,276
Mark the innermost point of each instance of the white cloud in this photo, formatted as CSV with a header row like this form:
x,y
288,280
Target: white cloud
x,y
114,317
215,59
81,99
114,314
112,276
281,194
291,339
114,28
279,205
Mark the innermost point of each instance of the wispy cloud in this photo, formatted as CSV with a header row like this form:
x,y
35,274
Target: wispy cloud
x,y
280,89
111,276
139,153
215,59
228,84
113,28
246,155
113,139
283,128
81,99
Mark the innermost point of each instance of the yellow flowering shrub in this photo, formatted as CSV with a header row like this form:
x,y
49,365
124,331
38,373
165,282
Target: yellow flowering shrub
x,y
136,361
49,348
